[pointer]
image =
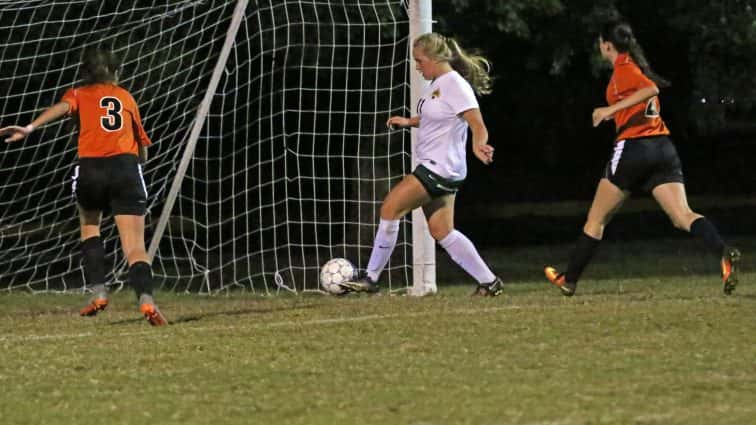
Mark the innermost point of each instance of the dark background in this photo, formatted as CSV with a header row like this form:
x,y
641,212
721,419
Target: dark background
x,y
319,138
548,80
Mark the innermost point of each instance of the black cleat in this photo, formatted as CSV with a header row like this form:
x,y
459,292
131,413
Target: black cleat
x,y
362,283
729,263
492,289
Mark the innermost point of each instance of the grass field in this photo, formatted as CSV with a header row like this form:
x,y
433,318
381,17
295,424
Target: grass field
x,y
649,339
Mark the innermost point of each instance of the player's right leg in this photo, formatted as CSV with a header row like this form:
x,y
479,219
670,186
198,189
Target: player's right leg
x,y
131,232
129,203
407,195
93,261
606,202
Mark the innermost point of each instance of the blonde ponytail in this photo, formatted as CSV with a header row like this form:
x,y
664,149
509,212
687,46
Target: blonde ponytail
x,y
473,67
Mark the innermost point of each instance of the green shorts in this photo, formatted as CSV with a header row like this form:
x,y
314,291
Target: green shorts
x,y
436,185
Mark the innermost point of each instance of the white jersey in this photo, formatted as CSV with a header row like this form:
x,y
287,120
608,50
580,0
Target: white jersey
x,y
442,134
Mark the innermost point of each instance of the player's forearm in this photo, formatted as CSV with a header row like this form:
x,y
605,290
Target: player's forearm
x,y
50,114
479,135
639,96
414,122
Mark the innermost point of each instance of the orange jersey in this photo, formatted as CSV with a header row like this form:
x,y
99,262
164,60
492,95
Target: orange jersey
x,y
109,121
642,119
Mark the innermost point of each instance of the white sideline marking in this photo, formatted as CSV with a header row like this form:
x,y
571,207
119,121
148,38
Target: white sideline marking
x,y
285,323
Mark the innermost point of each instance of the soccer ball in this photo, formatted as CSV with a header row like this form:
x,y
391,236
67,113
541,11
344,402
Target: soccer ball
x,y
335,271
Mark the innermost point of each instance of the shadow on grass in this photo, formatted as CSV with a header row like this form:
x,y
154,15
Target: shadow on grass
x,y
206,315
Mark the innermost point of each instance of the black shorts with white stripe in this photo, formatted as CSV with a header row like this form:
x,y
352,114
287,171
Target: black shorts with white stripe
x,y
644,163
435,185
113,182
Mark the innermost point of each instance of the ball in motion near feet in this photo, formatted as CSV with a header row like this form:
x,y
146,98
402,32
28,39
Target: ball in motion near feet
x,y
334,272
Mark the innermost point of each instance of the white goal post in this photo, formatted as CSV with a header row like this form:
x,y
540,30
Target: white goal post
x,y
423,245
271,155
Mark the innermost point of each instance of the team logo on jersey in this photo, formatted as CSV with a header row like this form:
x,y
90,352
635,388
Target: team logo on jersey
x,y
652,108
436,93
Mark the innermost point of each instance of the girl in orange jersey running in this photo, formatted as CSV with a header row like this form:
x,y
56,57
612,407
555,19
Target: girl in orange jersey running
x,y
109,175
644,159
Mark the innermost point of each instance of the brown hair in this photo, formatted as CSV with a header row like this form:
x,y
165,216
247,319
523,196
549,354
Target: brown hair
x,y
99,66
620,34
472,66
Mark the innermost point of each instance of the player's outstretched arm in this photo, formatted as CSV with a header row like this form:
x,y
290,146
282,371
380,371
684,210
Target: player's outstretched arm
x,y
16,133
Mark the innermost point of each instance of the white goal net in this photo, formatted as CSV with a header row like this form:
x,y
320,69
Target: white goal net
x,y
291,160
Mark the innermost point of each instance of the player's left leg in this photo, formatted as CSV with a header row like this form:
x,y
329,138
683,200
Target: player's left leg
x,y
606,202
440,215
673,200
93,261
131,232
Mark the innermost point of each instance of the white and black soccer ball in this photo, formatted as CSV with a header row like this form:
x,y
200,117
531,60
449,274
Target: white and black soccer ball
x,y
335,271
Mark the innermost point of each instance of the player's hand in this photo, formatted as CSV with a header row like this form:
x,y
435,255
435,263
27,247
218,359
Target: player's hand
x,y
601,114
484,153
396,122
15,132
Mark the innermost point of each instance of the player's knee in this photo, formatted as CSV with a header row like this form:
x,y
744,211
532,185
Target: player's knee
x,y
389,211
438,231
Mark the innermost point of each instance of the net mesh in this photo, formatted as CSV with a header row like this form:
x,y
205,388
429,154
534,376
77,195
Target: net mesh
x,y
292,161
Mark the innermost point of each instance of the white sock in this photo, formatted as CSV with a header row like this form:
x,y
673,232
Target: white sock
x,y
463,252
383,246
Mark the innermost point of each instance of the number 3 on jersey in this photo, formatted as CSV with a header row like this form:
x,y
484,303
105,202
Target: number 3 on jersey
x,y
112,120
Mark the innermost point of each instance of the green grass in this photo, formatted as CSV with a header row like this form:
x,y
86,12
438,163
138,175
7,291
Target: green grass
x,y
649,339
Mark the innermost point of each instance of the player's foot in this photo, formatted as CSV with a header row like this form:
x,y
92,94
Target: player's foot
x,y
490,289
729,263
153,314
362,283
95,305
558,280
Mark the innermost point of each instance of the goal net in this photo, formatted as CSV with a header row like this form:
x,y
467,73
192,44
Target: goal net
x,y
285,169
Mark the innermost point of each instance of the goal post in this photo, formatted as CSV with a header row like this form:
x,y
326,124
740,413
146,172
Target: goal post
x,y
423,245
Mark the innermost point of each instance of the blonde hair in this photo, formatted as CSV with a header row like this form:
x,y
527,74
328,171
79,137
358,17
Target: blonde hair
x,y
473,67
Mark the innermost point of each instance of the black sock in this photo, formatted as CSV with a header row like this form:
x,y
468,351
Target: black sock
x,y
704,229
93,260
580,256
140,278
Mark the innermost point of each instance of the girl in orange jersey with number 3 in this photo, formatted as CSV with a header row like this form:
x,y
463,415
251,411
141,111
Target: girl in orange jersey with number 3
x,y
109,175
644,159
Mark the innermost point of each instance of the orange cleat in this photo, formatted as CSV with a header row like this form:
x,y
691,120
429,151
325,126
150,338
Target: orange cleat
x,y
95,306
558,280
153,314
729,264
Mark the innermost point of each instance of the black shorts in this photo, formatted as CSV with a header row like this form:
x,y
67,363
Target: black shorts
x,y
113,182
644,163
436,185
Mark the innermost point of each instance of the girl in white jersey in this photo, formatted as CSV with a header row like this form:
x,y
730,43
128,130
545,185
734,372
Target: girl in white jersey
x,y
444,112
